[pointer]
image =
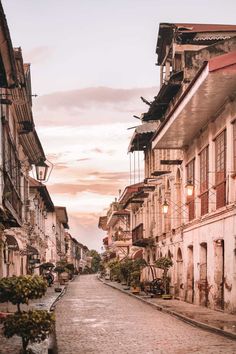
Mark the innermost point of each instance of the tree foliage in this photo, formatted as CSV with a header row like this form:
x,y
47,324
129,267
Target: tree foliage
x,y
21,289
164,263
31,326
96,260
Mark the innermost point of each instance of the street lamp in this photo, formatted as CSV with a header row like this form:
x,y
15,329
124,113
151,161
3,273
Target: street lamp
x,y
165,207
189,187
43,170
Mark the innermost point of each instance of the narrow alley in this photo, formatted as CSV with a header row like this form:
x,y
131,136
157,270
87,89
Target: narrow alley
x,y
94,318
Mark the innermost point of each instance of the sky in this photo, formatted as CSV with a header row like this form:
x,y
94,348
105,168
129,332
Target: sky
x,y
91,60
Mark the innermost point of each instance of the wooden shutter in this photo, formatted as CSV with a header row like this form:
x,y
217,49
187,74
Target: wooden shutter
x,y
204,170
220,167
190,200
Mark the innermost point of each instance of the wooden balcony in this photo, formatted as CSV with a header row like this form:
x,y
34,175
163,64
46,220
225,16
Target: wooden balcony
x,y
123,239
12,200
138,238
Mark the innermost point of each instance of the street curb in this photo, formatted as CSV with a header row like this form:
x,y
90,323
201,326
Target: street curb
x,y
52,339
177,315
52,307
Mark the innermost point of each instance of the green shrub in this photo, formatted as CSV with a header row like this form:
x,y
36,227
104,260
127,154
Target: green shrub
x,y
70,267
32,326
164,263
47,266
21,289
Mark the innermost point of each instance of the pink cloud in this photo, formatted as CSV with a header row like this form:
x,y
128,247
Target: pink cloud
x,y
87,231
38,54
83,98
94,105
98,188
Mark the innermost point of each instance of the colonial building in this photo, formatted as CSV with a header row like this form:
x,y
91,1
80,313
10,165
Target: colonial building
x,y
56,229
32,230
20,149
118,242
186,207
40,205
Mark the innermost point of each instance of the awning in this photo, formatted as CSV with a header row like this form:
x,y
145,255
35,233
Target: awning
x,y
102,224
137,254
202,99
12,243
31,251
142,135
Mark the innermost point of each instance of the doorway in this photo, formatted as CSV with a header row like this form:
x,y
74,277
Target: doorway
x,y
190,276
203,284
219,274
179,287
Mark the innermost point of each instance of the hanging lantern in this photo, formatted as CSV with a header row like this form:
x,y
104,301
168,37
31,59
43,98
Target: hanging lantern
x,y
165,207
189,187
43,170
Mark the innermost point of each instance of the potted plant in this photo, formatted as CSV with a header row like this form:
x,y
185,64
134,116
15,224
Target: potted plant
x,y
21,289
114,270
165,263
63,270
126,268
33,325
70,268
135,282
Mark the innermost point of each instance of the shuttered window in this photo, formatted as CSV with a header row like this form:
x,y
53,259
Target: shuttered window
x,y
191,177
220,167
204,171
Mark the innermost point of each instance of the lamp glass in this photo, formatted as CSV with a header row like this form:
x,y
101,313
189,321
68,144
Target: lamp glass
x,y
189,188
41,171
165,207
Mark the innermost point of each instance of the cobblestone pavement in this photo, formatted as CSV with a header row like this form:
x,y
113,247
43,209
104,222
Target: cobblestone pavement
x,y
94,318
216,321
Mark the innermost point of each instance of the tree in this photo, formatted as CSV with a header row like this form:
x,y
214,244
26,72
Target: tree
x,y
32,325
126,267
96,260
164,263
21,289
137,266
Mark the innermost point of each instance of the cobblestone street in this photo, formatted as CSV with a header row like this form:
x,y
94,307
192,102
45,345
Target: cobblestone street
x,y
94,318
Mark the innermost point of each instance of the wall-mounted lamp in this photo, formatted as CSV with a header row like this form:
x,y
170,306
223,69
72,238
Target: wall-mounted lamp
x,y
189,187
165,207
219,242
43,170
53,227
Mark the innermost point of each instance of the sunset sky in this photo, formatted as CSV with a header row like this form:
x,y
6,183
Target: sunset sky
x,y
91,60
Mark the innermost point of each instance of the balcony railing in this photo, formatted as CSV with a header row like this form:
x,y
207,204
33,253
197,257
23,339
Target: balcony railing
x,y
138,238
123,236
12,197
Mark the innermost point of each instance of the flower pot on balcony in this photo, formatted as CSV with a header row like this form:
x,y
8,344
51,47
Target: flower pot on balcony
x,y
166,296
135,289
